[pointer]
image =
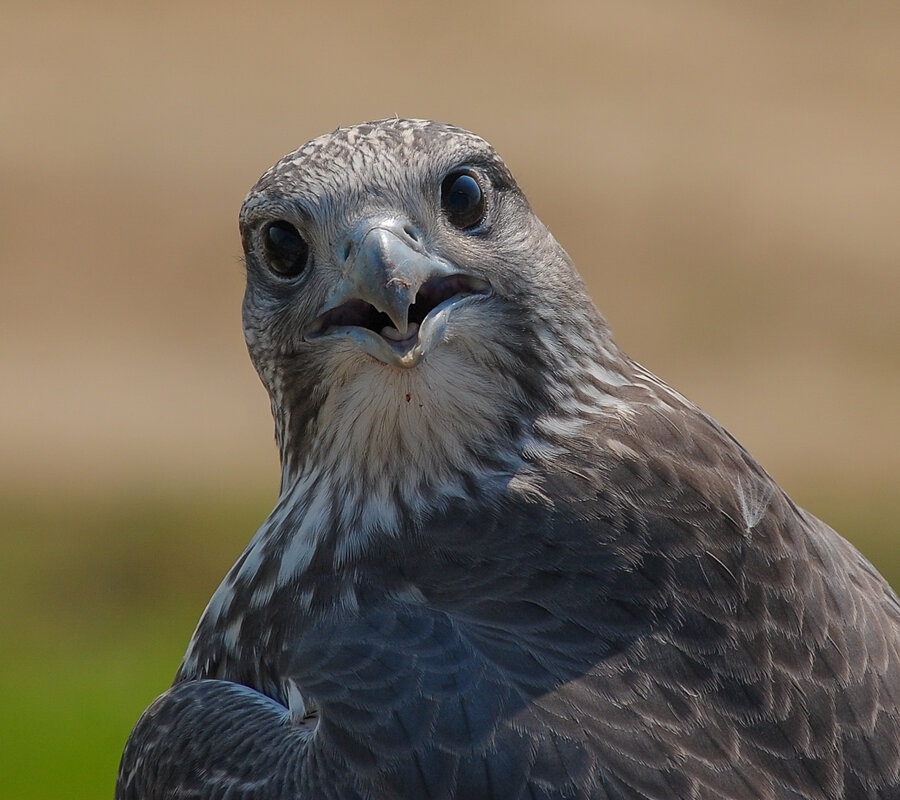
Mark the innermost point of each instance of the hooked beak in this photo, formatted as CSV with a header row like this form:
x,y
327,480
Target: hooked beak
x,y
393,297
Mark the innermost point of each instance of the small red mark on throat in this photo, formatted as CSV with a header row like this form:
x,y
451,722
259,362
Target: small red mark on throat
x,y
408,397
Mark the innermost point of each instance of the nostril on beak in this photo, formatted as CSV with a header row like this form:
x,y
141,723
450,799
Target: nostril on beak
x,y
411,232
348,249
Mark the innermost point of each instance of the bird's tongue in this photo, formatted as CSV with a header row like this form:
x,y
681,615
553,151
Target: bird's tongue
x,y
392,334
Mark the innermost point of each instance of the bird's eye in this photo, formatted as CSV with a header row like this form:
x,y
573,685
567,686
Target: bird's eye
x,y
462,199
286,250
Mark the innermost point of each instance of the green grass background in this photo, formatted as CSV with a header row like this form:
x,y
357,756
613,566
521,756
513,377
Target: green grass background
x,y
99,601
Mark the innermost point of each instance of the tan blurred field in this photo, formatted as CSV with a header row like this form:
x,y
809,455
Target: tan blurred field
x,y
726,176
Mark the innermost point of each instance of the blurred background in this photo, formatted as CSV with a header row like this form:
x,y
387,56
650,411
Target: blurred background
x,y
726,176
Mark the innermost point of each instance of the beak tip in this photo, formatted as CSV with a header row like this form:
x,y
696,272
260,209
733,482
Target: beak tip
x,y
401,324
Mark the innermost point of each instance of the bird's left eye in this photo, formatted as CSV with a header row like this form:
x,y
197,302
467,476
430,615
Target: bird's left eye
x,y
286,250
462,199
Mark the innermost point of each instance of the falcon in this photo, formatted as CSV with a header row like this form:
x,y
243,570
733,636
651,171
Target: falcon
x,y
506,561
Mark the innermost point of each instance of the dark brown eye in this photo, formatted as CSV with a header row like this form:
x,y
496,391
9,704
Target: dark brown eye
x,y
286,250
462,199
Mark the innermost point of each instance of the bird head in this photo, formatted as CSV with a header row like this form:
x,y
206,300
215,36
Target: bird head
x,y
403,302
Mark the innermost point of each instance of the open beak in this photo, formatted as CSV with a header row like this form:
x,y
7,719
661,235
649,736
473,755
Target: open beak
x,y
393,297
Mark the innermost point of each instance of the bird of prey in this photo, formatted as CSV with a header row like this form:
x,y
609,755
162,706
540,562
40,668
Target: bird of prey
x,y
506,561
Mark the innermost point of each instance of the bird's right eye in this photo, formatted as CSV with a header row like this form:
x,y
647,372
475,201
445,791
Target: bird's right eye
x,y
287,252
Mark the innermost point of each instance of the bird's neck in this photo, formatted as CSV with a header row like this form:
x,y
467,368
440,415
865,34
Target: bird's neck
x,y
377,450
371,473
381,431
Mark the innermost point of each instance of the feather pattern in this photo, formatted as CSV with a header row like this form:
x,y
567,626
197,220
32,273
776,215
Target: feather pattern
x,y
523,568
